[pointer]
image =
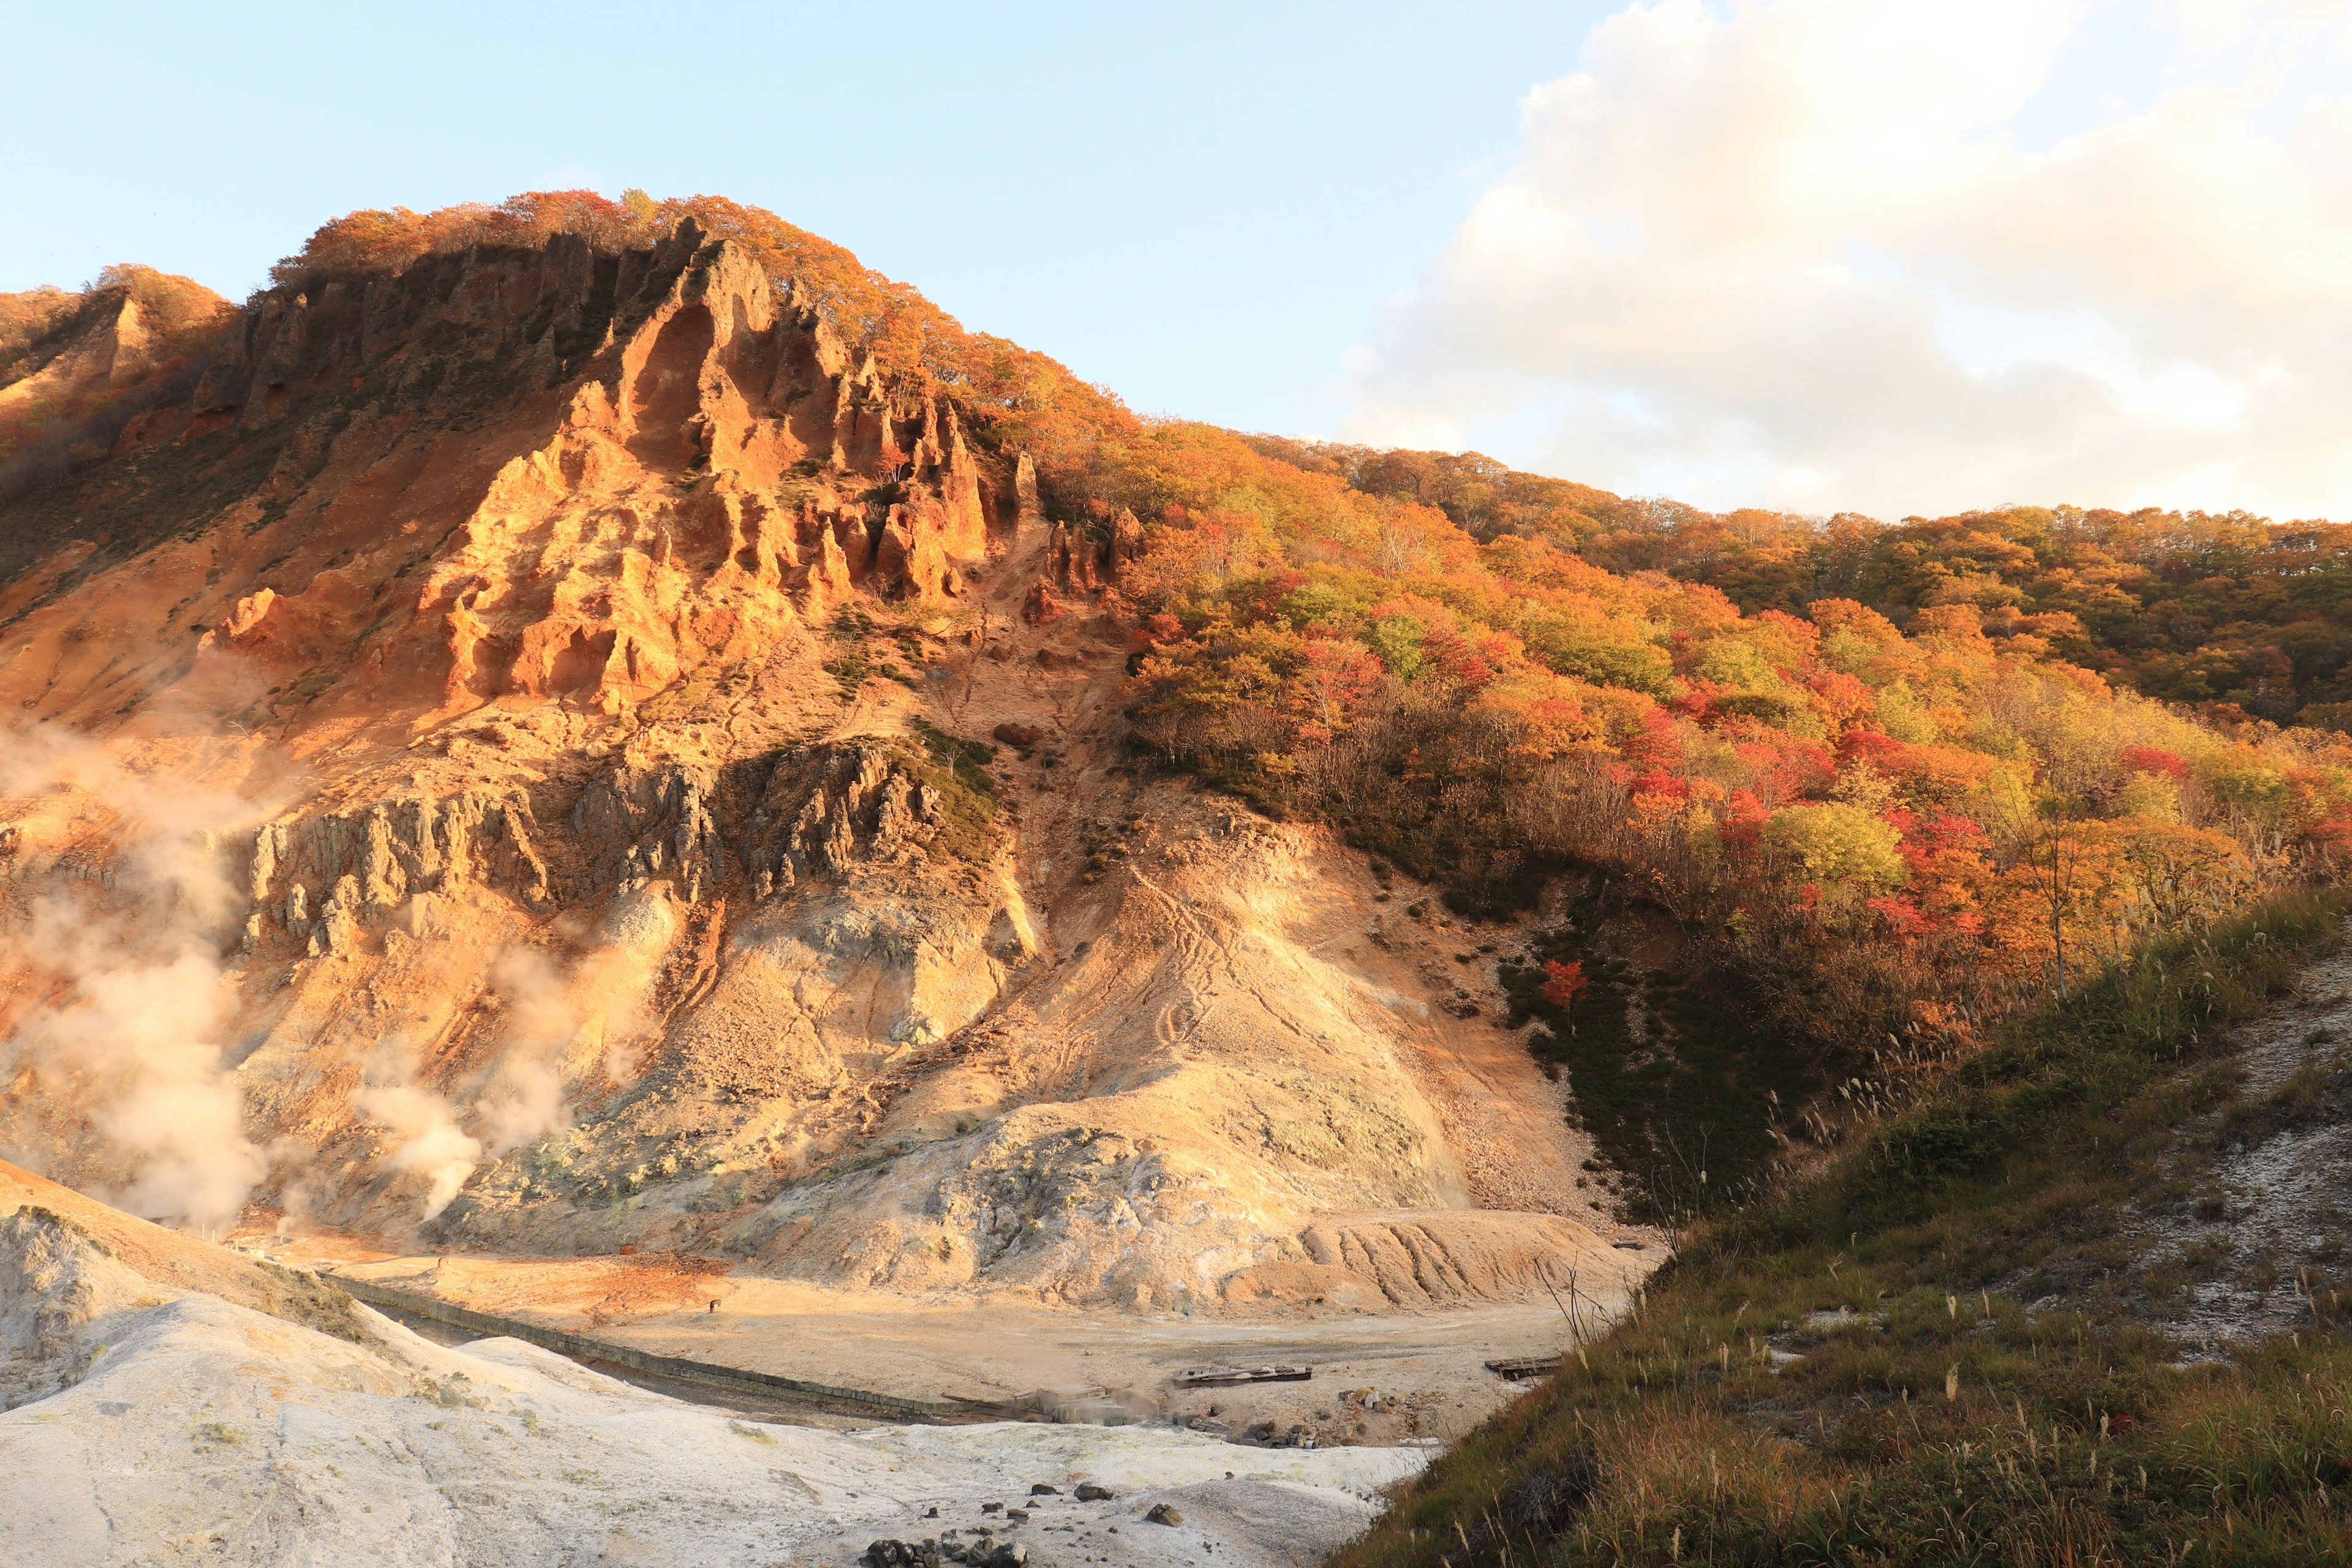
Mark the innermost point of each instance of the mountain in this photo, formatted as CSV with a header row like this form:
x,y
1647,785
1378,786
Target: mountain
x,y
553,744
570,732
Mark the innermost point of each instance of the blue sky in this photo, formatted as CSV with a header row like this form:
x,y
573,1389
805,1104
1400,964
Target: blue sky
x,y
1202,205
1820,254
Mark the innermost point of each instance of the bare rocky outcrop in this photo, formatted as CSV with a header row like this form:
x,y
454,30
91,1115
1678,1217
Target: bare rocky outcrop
x,y
719,474
769,820
57,348
319,879
613,645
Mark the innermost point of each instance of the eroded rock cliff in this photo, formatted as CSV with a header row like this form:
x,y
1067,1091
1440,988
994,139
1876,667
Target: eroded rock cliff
x,y
554,748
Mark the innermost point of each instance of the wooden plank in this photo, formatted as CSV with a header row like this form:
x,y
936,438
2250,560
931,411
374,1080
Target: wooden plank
x,y
1518,1369
1222,1376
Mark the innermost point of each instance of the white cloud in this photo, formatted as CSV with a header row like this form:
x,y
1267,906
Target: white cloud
x,y
1801,253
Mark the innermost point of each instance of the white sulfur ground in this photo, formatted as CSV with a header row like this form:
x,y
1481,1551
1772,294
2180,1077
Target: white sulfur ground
x,y
158,1425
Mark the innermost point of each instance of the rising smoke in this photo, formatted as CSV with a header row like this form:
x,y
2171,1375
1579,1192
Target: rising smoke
x,y
430,1141
116,914
521,1100
554,1023
121,904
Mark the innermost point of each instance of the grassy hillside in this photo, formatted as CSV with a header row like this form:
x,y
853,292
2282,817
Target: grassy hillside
x,y
1951,1345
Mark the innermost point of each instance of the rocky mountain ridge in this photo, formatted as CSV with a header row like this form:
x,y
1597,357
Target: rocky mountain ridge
x,y
552,746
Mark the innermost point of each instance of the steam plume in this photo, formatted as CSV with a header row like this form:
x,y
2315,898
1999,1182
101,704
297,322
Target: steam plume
x,y
122,903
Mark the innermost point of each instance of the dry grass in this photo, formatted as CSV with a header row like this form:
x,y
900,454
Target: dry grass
x,y
1975,1381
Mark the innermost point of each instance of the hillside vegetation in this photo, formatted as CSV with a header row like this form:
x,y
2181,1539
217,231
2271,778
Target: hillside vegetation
x,y
1958,1344
1894,879
75,368
2234,613
1904,780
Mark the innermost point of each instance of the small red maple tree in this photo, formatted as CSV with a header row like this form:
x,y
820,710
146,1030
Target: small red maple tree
x,y
1563,981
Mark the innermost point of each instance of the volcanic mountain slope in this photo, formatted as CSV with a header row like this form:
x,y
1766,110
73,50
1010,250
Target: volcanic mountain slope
x,y
551,745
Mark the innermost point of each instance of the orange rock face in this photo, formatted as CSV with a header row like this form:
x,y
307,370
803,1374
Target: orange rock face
x,y
505,751
707,476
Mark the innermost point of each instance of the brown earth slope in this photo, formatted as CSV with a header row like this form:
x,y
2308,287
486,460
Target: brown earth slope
x,y
544,753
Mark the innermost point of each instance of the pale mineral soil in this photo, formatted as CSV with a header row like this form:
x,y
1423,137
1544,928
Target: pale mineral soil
x,y
2255,1206
164,1401
1379,1376
1398,1337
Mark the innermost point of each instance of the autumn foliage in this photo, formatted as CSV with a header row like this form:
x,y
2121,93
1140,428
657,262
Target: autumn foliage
x,y
1563,983
1911,774
1910,828
2229,611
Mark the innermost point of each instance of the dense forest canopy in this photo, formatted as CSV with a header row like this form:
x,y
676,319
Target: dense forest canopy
x,y
2189,607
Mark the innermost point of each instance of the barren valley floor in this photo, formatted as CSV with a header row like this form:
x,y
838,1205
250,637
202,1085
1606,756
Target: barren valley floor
x,y
1378,1377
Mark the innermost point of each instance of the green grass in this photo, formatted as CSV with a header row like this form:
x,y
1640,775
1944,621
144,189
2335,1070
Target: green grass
x,y
967,810
1942,1419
